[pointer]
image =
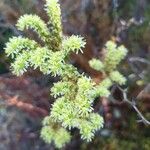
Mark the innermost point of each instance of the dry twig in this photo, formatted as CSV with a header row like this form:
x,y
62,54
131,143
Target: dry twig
x,y
133,104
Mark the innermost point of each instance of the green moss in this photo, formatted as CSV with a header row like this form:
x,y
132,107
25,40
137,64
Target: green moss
x,y
75,92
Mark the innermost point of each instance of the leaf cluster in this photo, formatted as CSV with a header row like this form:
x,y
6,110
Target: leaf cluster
x,y
75,93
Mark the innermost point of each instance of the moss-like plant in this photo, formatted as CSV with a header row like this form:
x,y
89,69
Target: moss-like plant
x,y
75,92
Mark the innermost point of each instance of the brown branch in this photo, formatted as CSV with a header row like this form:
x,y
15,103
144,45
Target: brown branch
x,y
33,110
27,107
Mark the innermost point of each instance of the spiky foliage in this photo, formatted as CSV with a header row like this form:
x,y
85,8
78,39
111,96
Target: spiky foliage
x,y
96,64
113,57
75,92
38,25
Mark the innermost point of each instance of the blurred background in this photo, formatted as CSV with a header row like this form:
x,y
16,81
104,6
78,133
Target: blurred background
x,y
25,100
